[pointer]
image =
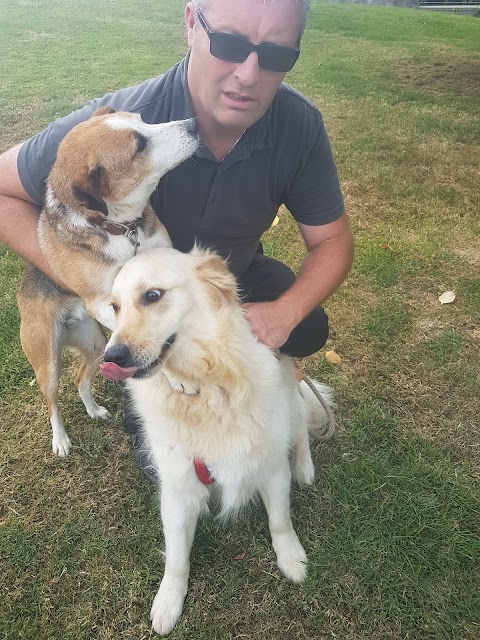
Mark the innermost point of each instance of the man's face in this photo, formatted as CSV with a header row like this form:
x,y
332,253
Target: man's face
x,y
229,97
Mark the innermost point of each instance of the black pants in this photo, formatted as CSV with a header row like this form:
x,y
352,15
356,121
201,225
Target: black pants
x,y
266,279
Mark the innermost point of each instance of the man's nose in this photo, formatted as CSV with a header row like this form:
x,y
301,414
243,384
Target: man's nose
x,y
248,71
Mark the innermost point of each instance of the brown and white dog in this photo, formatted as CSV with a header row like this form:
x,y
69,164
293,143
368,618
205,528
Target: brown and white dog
x,y
246,428
96,216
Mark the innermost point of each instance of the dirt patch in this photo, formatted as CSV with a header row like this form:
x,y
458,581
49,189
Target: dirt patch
x,y
458,77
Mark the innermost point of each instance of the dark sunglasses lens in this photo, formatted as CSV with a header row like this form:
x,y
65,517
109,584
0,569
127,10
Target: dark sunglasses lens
x,y
228,47
276,58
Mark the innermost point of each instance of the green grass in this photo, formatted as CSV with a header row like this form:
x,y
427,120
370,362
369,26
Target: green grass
x,y
445,348
391,525
470,291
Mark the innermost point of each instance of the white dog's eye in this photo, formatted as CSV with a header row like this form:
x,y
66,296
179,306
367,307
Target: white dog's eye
x,y
115,307
153,295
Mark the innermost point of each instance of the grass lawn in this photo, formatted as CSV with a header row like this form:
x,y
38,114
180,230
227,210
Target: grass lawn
x,y
391,527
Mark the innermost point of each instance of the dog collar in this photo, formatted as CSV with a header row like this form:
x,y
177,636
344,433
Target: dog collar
x,y
115,228
202,472
129,230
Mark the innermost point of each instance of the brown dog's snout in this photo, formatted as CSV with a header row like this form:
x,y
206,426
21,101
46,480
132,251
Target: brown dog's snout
x,y
191,125
120,354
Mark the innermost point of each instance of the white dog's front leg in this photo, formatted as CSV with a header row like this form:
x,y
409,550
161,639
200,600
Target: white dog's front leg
x,y
179,518
291,557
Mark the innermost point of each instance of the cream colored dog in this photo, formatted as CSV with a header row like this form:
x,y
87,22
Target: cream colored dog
x,y
245,430
96,216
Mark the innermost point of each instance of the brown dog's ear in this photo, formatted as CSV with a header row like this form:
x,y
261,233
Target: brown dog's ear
x,y
89,194
89,201
213,271
103,111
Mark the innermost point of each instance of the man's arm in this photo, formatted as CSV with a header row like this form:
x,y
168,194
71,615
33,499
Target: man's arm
x,y
325,267
19,214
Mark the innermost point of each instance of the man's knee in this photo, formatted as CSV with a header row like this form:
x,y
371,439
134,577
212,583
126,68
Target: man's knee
x,y
309,336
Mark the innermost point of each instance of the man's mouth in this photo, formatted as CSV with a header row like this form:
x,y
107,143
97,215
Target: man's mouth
x,y
113,371
237,97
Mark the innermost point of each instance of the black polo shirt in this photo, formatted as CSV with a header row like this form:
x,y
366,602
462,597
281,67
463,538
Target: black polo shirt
x,y
284,158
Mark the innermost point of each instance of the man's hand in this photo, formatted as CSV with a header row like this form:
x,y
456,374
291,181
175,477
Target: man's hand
x,y
330,255
270,322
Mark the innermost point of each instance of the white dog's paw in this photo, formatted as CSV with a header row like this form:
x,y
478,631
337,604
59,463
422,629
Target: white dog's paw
x,y
61,444
179,385
99,412
167,606
303,471
291,557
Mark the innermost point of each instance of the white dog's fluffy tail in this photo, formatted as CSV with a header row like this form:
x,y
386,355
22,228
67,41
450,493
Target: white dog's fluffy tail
x,y
321,420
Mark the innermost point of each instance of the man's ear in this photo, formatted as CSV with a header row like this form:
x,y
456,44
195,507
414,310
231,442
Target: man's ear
x,y
103,111
190,23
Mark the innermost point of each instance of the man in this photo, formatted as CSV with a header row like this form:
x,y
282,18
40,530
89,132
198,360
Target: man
x,y
263,145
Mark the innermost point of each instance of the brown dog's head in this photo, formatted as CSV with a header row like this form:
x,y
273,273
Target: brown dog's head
x,y
112,162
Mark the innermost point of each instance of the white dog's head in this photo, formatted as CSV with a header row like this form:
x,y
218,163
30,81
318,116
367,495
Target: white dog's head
x,y
164,301
112,162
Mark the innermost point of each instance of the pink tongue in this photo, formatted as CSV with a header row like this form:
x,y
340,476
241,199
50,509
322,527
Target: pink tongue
x,y
112,371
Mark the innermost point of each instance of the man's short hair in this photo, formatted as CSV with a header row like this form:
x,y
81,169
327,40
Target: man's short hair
x,y
303,7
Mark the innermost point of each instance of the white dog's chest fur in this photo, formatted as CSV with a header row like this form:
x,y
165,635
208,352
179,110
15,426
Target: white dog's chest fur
x,y
237,446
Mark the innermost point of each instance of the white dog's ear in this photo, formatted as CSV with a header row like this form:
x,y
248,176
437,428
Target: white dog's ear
x,y
213,272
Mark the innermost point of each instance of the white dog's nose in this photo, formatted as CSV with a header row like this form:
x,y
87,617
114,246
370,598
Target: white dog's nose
x,y
119,354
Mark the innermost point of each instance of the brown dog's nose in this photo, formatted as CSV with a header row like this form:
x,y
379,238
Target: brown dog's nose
x,y
191,125
119,354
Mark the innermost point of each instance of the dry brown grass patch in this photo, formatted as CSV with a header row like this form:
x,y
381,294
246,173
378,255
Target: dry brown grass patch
x,y
454,73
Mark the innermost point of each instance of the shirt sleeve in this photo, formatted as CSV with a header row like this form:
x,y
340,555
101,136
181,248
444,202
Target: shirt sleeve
x,y
314,196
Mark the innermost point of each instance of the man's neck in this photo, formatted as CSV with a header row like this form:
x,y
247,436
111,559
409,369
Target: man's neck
x,y
220,140
221,146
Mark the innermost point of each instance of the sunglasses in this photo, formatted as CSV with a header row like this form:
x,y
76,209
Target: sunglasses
x,y
232,48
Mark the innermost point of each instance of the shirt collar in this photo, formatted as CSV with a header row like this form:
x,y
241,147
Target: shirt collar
x,y
255,138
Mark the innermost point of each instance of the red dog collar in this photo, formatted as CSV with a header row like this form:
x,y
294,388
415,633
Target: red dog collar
x,y
202,472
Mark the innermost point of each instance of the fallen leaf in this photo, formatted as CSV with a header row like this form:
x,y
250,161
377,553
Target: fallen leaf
x,y
332,357
386,246
447,297
240,556
275,221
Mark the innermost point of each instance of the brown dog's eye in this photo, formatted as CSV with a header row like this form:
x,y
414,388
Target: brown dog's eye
x,y
153,295
142,142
